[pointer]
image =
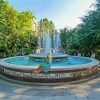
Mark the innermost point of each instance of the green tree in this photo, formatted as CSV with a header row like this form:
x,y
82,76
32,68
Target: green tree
x,y
16,30
86,36
69,39
89,30
46,26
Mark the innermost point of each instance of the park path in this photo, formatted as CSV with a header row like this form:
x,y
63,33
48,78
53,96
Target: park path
x,y
85,91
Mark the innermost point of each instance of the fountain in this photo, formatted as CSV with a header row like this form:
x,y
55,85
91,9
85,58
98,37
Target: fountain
x,y
63,69
49,45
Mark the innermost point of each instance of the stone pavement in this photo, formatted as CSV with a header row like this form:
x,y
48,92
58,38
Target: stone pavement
x,y
85,91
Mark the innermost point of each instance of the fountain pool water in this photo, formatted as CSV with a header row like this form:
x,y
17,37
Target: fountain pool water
x,y
26,62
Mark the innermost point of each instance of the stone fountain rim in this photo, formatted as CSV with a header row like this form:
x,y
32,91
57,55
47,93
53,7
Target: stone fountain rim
x,y
93,62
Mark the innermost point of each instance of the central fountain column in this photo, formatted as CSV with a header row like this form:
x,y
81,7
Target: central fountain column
x,y
49,43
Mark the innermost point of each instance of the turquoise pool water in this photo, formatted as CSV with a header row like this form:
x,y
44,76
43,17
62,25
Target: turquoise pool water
x,y
26,61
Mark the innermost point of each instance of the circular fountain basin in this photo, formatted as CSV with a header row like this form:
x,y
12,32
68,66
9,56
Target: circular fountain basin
x,y
73,68
55,56
25,62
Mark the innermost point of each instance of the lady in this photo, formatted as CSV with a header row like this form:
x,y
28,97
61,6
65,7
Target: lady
x,y
47,64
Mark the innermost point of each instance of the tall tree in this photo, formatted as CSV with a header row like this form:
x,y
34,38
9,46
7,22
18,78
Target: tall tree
x,y
16,29
46,26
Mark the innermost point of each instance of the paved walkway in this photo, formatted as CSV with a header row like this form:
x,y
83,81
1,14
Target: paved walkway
x,y
85,91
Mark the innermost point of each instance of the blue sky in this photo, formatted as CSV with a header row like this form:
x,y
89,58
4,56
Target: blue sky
x,y
61,12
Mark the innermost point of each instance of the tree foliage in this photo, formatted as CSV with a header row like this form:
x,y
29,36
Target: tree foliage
x,y
69,39
86,36
16,30
89,30
46,26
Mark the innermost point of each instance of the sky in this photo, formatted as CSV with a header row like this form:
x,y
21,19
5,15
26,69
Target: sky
x,y
63,13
